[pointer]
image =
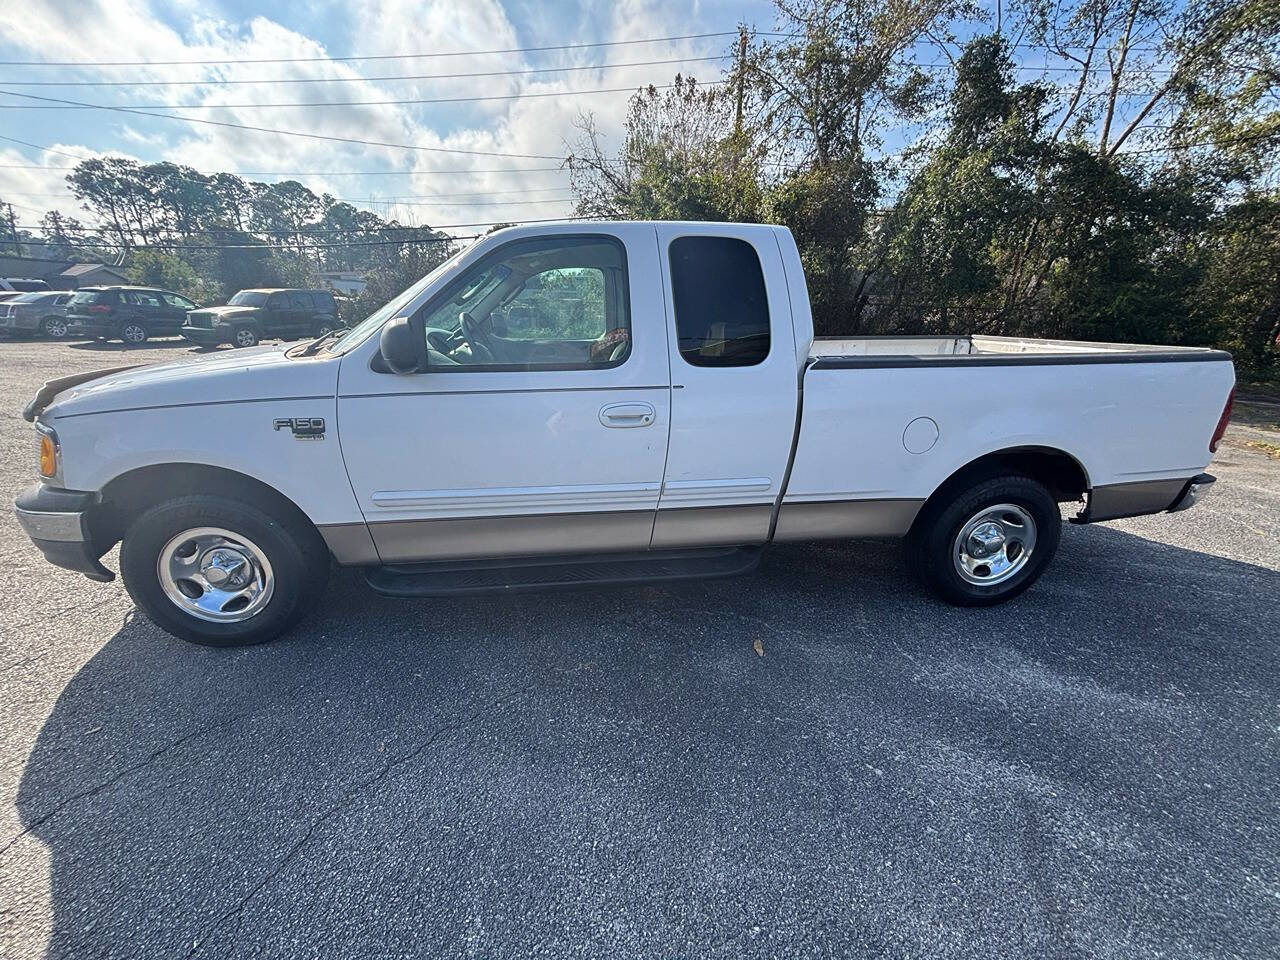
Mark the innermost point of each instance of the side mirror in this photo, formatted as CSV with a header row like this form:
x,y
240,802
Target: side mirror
x,y
403,351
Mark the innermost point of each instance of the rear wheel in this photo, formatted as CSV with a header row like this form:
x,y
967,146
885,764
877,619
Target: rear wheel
x,y
986,543
55,328
133,333
245,337
222,572
323,327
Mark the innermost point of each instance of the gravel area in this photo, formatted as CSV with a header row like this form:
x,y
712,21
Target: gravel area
x,y
816,760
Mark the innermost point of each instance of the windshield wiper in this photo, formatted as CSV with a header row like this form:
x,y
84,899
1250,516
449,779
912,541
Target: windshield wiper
x,y
316,345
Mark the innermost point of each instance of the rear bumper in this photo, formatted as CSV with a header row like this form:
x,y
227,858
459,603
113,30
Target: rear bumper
x,y
58,523
19,323
1193,491
207,336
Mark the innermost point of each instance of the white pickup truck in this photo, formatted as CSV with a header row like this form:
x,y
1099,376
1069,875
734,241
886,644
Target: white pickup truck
x,y
601,403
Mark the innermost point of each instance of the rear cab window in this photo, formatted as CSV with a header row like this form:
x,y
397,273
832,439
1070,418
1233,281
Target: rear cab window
x,y
93,296
720,301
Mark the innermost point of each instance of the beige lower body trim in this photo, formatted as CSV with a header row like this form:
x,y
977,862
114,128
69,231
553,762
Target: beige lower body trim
x,y
350,543
404,541
838,519
712,526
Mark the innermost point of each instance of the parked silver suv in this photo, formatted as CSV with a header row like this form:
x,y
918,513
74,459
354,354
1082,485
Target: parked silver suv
x,y
31,313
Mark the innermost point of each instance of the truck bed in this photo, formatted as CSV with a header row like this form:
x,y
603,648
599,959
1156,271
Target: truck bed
x,y
834,352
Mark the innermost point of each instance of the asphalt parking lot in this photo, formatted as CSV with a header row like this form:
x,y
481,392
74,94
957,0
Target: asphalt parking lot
x,y
814,760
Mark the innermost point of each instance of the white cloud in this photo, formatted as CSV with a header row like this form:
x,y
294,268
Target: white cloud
x,y
134,30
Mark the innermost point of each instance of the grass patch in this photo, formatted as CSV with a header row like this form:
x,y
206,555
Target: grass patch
x,y
1270,449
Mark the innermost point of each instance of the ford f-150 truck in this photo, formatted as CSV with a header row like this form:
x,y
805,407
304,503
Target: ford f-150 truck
x,y
601,403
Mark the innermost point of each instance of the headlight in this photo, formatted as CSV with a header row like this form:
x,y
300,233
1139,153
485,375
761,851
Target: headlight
x,y
219,321
50,453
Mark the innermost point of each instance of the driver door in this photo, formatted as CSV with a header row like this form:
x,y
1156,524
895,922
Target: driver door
x,y
526,435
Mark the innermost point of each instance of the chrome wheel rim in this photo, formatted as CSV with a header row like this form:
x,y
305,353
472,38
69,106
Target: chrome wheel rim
x,y
323,329
215,575
994,545
132,333
245,338
55,328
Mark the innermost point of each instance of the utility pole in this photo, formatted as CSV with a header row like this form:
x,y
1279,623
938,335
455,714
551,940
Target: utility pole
x,y
13,230
742,79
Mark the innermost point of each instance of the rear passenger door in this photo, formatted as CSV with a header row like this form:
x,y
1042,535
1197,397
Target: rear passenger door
x,y
302,310
734,376
277,316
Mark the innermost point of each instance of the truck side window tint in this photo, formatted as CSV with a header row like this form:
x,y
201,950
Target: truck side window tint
x,y
722,310
552,303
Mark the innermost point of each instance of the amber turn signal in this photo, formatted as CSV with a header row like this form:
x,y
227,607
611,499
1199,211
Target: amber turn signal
x,y
48,456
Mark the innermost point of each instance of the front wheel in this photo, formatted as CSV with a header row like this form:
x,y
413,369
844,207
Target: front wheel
x,y
245,337
222,572
134,333
55,328
987,543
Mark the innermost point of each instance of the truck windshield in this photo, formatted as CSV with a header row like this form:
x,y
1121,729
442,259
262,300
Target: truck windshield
x,y
248,298
373,323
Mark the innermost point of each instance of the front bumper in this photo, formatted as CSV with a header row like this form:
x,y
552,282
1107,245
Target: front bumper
x,y
58,523
207,336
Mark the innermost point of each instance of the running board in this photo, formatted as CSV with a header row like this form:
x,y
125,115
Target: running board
x,y
453,577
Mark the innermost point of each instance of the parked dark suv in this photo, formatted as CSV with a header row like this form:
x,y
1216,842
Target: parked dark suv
x,y
130,314
253,315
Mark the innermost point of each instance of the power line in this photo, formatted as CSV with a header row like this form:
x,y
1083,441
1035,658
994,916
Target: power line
x,y
293,247
418,76
381,56
439,226
306,173
383,200
289,133
344,103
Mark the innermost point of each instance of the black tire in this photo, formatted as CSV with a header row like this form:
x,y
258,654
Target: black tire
x,y
245,337
55,328
932,542
298,557
134,333
322,327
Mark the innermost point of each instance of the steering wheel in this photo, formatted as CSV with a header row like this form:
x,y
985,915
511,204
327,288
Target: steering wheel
x,y
475,338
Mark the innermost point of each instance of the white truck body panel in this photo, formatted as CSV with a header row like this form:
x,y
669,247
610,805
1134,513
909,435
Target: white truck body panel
x,y
823,438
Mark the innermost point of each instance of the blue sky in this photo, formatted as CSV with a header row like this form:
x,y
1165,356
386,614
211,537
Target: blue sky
x,y
137,30
473,160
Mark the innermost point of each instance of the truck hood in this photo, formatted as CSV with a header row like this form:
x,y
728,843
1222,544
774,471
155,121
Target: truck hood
x,y
227,310
260,373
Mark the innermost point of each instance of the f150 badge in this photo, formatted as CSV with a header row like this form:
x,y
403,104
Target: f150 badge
x,y
303,428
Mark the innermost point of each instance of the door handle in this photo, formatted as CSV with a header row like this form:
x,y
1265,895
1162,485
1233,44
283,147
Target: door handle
x,y
634,414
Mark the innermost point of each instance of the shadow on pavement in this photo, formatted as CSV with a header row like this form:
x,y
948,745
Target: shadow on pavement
x,y
1087,770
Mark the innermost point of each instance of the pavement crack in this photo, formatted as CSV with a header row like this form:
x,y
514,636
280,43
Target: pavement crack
x,y
133,768
115,778
341,804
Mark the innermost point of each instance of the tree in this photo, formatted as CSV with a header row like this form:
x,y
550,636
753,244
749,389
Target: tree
x,y
682,158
